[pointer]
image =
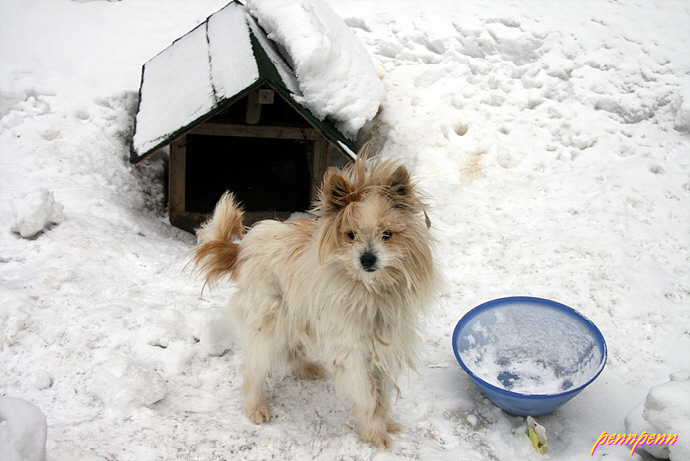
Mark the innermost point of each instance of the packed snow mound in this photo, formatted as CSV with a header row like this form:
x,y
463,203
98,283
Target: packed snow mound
x,y
682,122
35,212
335,73
212,329
23,431
209,328
124,385
666,410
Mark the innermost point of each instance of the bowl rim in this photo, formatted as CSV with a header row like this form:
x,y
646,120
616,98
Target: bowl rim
x,y
535,300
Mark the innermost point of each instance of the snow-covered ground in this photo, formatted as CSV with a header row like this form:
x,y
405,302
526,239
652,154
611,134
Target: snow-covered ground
x,y
553,140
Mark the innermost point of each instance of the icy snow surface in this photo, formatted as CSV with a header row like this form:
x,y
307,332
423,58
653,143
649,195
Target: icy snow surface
x,y
551,138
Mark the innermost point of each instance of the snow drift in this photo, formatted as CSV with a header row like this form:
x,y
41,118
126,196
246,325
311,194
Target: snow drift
x,y
23,431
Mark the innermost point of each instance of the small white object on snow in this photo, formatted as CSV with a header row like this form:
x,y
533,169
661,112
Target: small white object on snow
x,y
41,380
124,385
212,328
682,122
23,431
666,410
335,73
35,212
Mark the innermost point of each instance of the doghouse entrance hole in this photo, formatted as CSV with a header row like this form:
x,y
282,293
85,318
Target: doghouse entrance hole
x,y
264,174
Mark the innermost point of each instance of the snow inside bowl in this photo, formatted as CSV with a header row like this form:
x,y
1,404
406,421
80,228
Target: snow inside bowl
x,y
529,355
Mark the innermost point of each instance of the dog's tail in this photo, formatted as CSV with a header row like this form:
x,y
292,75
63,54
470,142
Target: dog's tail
x,y
216,254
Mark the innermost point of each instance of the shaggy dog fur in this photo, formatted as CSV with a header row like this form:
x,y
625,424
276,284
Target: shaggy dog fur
x,y
347,286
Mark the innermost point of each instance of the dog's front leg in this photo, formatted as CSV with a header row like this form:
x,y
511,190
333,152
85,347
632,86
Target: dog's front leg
x,y
369,391
259,355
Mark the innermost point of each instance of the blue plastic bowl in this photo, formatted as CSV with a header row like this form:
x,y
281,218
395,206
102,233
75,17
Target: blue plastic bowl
x,y
529,355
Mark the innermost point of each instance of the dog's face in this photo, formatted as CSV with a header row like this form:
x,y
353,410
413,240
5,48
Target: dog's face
x,y
371,243
373,226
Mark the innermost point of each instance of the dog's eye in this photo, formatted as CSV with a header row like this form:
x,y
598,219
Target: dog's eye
x,y
351,235
387,235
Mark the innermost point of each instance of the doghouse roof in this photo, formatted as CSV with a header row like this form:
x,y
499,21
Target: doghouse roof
x,y
204,72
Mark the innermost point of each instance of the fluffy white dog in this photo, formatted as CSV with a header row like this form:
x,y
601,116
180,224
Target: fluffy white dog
x,y
347,286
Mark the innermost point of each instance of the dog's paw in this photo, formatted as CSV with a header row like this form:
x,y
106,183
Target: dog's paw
x,y
310,370
393,427
258,414
376,438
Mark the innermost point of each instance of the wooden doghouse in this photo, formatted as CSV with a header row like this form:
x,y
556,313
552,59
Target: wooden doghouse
x,y
223,99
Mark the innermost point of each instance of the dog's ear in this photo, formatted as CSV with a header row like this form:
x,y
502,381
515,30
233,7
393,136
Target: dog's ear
x,y
401,189
335,192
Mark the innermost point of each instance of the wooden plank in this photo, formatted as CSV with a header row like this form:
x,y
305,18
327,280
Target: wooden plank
x,y
320,164
189,222
177,177
250,217
255,131
253,114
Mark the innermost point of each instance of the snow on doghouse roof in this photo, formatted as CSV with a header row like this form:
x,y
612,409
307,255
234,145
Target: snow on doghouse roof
x,y
208,69
335,73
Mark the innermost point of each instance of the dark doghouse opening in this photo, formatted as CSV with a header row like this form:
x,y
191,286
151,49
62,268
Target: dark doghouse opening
x,y
264,174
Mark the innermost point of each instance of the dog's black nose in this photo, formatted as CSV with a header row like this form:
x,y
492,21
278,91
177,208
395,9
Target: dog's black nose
x,y
368,261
